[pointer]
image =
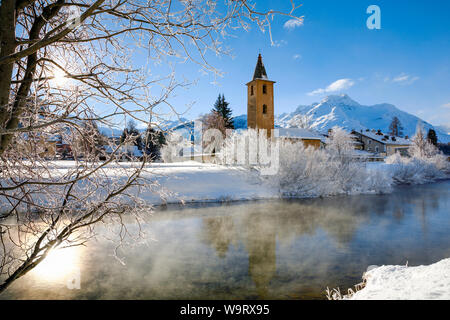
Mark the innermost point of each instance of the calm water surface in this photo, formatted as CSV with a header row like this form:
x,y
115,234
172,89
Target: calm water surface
x,y
254,250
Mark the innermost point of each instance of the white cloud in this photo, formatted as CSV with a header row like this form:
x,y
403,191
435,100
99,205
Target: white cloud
x,y
405,79
446,105
293,23
279,43
297,56
338,85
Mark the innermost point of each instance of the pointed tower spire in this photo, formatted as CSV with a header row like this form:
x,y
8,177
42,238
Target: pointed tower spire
x,y
260,71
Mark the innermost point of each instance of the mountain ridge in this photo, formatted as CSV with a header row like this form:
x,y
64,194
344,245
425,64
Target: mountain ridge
x,y
343,111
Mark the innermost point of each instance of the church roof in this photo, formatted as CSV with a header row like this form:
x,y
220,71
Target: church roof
x,y
260,71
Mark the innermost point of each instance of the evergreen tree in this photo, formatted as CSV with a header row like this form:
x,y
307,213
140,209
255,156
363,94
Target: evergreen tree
x,y
132,132
395,128
221,107
432,137
153,141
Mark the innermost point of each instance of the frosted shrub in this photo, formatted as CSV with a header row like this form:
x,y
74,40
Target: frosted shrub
x,y
378,181
441,163
417,170
310,172
302,171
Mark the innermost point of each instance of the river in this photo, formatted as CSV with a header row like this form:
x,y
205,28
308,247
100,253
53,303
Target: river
x,y
281,249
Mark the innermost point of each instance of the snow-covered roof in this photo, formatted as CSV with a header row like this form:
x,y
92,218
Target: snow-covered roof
x,y
298,133
382,138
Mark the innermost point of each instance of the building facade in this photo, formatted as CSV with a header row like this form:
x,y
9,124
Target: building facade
x,y
375,141
260,105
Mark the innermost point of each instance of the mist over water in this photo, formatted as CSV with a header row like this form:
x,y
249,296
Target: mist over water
x,y
286,249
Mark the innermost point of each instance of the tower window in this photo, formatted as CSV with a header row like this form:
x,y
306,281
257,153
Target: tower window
x,y
264,89
251,90
264,109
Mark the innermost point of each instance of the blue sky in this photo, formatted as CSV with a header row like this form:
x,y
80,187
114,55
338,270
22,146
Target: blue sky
x,y
406,63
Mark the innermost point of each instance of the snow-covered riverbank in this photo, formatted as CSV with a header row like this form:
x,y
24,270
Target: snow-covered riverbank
x,y
192,181
202,182
407,283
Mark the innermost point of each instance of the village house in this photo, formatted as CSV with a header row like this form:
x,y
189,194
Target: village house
x,y
377,142
309,138
45,146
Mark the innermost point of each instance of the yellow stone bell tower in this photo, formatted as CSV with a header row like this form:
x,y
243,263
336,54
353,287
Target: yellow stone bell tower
x,y
260,109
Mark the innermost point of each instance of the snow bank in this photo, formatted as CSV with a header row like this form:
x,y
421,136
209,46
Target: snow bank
x,y
193,181
407,283
188,181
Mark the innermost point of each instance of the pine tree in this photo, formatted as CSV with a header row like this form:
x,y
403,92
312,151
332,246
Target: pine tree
x,y
221,107
153,141
395,128
132,131
432,138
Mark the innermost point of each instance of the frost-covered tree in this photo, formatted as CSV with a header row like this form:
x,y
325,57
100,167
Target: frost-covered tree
x,y
59,61
340,142
421,147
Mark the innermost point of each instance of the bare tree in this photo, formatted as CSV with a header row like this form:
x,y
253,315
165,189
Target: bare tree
x,y
59,59
395,128
214,120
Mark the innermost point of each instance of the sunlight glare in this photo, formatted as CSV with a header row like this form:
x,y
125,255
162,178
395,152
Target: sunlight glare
x,y
58,265
59,78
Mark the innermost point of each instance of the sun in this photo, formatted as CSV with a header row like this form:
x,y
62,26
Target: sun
x,y
59,77
58,265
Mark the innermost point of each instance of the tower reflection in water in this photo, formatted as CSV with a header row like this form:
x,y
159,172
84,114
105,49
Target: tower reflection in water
x,y
259,239
262,226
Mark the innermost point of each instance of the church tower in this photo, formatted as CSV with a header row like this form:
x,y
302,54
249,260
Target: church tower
x,y
260,109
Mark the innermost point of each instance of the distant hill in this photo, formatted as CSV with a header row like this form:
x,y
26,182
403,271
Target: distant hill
x,y
444,128
165,125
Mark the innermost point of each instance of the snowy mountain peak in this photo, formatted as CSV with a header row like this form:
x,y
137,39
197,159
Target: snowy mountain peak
x,y
341,99
343,111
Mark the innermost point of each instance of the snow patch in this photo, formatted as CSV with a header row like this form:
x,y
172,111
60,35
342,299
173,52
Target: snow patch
x,y
407,283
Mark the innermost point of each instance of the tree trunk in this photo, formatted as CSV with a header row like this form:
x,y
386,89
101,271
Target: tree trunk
x,y
7,47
